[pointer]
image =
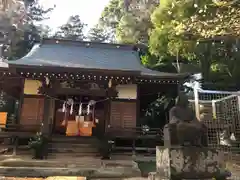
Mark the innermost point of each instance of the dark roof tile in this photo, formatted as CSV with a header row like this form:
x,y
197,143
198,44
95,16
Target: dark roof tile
x,y
87,55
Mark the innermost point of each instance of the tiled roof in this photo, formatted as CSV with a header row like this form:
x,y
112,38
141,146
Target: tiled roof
x,y
86,55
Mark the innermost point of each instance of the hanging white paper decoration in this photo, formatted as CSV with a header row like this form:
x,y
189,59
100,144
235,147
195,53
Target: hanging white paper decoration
x,y
80,109
71,103
91,103
88,108
2,99
64,107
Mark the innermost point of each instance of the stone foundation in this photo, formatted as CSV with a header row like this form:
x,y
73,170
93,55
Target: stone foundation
x,y
189,163
86,167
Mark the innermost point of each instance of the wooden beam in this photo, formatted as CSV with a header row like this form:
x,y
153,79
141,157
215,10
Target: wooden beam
x,y
72,91
47,69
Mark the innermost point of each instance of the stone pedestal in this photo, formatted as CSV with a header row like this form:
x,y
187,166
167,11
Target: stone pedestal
x,y
189,163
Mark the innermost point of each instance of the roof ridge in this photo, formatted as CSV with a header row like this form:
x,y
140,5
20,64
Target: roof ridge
x,y
131,47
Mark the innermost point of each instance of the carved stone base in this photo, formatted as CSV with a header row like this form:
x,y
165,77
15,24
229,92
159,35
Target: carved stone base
x,y
189,163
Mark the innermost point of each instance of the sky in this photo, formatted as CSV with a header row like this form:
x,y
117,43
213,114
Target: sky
x,y
89,11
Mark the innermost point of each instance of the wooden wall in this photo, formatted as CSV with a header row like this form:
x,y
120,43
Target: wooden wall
x,y
123,114
32,111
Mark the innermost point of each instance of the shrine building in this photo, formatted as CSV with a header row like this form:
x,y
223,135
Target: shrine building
x,y
77,88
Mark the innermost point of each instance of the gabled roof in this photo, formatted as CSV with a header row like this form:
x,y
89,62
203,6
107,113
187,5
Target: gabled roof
x,y
87,55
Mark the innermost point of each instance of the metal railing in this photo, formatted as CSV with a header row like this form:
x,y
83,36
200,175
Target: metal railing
x,y
220,112
134,140
134,133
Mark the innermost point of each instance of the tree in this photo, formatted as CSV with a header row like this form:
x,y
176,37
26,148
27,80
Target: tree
x,y
25,38
216,28
203,32
135,23
72,30
111,16
98,34
129,21
218,18
36,12
168,37
44,31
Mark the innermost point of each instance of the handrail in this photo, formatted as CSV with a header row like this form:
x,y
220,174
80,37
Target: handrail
x,y
9,130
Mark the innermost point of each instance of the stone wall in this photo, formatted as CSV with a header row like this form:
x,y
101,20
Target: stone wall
x,y
189,162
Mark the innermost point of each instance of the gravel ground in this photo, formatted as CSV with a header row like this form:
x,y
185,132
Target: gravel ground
x,y
235,171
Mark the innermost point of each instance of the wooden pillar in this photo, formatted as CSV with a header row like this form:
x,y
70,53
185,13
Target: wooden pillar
x,y
18,117
20,103
46,116
138,110
108,114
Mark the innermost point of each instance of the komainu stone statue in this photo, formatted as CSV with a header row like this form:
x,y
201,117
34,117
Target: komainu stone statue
x,y
184,128
185,154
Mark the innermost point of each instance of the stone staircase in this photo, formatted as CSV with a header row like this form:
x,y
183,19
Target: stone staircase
x,y
63,146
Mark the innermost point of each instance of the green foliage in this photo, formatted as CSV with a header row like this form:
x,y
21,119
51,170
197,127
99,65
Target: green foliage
x,y
98,34
129,24
201,32
36,12
111,16
217,18
155,114
38,145
37,141
166,38
72,30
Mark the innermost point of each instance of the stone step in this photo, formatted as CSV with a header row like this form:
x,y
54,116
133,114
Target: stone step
x,y
34,172
74,145
60,162
74,139
71,155
73,150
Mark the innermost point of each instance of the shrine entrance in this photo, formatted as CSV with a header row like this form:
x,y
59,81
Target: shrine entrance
x,y
80,116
